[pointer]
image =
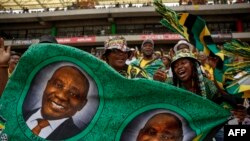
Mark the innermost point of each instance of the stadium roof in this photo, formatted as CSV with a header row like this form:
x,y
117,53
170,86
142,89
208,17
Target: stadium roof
x,y
42,4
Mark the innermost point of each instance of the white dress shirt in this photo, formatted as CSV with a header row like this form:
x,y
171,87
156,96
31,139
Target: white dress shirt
x,y
46,131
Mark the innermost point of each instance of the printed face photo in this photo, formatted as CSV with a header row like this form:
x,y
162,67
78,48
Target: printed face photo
x,y
158,125
162,127
65,93
61,101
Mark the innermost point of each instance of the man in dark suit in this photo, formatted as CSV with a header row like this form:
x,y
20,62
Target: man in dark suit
x,y
65,94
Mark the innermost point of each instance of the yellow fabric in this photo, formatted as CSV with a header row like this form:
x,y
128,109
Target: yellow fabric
x,y
197,138
136,71
182,21
209,70
144,62
246,94
9,73
220,85
2,126
221,55
204,32
244,88
196,7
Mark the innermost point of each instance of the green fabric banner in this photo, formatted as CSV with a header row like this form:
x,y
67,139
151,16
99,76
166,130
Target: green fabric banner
x,y
105,107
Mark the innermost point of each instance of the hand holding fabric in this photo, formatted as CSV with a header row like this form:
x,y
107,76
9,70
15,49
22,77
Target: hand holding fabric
x,y
160,75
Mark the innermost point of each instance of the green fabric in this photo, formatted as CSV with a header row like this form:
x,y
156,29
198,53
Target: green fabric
x,y
150,67
225,73
199,34
119,100
241,84
194,30
191,27
170,18
220,69
113,28
211,89
53,31
236,47
134,72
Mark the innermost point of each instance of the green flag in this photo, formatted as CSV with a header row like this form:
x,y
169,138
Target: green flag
x,y
83,98
237,73
199,34
193,28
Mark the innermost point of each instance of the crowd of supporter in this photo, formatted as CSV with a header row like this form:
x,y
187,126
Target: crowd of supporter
x,y
182,66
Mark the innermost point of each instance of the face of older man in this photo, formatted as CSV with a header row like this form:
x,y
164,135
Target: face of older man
x,y
65,93
148,49
162,127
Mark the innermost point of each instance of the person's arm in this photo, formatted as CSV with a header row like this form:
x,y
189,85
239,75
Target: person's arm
x,y
160,75
4,58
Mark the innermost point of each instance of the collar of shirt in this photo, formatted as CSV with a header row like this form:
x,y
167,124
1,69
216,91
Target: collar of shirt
x,y
53,123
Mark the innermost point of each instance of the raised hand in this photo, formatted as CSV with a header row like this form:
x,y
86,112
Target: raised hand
x,y
4,53
160,75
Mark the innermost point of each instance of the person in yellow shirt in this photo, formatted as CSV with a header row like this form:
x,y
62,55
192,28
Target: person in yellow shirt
x,y
149,62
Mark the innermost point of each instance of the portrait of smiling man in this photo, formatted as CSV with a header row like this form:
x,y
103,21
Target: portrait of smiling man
x,y
64,95
158,125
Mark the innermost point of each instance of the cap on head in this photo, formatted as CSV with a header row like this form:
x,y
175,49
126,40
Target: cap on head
x,y
147,41
47,39
183,53
117,42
